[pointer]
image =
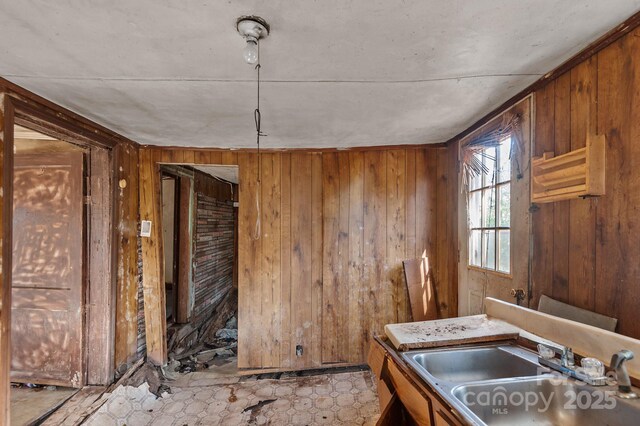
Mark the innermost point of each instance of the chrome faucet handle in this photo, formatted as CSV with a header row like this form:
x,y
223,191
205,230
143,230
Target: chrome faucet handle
x,y
546,352
567,358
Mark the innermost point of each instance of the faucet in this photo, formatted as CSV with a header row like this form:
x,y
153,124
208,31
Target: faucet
x,y
566,358
566,364
624,383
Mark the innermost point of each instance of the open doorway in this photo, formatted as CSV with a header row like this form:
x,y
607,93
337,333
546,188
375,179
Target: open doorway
x,y
199,229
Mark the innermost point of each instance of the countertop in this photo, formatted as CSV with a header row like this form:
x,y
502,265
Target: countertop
x,y
448,332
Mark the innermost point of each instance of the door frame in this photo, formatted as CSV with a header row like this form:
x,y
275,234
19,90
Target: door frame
x,y
100,290
184,239
6,224
176,237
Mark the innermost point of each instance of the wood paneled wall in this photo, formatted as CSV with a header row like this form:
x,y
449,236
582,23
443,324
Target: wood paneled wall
x,y
586,251
207,185
127,278
380,208
325,272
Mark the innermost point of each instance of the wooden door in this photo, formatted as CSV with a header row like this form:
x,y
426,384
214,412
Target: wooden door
x,y
47,285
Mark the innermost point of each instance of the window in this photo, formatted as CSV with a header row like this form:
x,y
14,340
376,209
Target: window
x,y
489,209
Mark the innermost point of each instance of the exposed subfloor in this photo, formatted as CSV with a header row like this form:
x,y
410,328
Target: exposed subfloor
x,y
29,405
202,398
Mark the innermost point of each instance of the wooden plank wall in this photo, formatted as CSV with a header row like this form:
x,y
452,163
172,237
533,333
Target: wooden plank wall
x,y
212,256
326,271
101,300
126,199
211,187
153,257
585,252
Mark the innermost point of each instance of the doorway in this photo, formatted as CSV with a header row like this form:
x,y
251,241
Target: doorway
x,y
199,225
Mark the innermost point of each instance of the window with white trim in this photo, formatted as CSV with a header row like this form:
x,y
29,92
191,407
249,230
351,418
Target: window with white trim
x,y
489,210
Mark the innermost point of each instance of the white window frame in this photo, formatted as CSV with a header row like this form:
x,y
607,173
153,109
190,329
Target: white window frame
x,y
495,185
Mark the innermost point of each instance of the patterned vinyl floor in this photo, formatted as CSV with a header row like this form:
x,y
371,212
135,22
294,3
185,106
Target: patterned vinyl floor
x,y
335,399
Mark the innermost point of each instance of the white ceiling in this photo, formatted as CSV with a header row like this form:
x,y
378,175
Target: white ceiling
x,y
226,173
337,73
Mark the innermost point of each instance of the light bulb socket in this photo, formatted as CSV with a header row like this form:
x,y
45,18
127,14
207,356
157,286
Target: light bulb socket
x,y
252,26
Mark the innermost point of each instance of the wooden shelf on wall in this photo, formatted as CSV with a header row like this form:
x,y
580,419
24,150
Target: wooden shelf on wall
x,y
579,173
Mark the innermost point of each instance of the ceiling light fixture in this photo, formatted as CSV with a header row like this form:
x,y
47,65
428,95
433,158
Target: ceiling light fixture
x,y
252,29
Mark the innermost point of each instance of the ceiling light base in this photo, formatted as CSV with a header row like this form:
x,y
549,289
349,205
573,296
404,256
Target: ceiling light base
x,y
252,26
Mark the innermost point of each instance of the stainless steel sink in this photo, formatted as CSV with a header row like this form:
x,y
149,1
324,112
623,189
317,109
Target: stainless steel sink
x,y
545,401
504,384
473,364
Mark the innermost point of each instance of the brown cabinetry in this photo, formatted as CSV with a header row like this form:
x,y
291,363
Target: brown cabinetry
x,y
404,398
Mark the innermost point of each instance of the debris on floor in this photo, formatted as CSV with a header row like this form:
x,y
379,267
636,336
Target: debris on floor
x,y
152,377
227,334
342,398
216,343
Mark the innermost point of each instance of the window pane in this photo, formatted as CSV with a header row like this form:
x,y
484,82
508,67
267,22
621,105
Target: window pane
x,y
504,198
504,251
475,182
489,207
474,248
489,249
504,168
475,209
489,160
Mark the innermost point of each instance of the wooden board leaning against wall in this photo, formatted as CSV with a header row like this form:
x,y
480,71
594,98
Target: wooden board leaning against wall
x,y
325,272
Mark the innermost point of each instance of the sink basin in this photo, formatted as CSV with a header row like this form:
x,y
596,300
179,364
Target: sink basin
x,y
472,364
503,384
545,401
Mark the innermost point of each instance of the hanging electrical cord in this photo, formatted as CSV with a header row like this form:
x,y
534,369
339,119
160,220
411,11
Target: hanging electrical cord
x,y
257,117
252,28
